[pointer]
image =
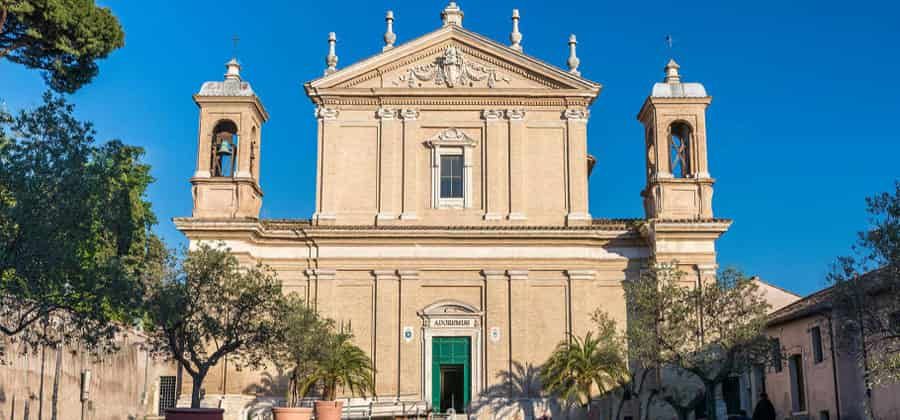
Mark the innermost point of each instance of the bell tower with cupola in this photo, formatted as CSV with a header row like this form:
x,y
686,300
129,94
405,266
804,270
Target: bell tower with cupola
x,y
225,184
678,182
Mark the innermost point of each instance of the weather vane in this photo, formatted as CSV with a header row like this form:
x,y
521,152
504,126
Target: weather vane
x,y
669,41
234,40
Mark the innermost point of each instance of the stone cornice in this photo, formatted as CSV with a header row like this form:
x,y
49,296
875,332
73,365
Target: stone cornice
x,y
304,230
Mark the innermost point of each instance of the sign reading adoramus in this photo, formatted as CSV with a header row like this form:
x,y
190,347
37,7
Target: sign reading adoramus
x,y
452,323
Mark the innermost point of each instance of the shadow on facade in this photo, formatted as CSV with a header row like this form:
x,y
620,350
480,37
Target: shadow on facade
x,y
516,394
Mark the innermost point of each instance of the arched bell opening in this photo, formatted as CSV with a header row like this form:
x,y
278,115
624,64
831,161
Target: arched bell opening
x,y
224,149
680,149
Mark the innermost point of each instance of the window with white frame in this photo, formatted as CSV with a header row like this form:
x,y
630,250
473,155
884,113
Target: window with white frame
x,y
451,176
451,162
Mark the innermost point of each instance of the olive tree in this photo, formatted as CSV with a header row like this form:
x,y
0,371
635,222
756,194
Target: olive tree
x,y
866,292
709,331
210,307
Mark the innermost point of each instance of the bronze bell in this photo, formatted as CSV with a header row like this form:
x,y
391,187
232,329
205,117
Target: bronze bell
x,y
224,146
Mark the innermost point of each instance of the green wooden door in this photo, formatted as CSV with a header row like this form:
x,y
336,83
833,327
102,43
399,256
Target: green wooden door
x,y
448,356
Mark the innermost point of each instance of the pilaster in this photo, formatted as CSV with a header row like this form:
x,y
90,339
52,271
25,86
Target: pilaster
x,y
497,167
410,164
517,170
387,331
497,324
409,362
390,164
325,197
576,152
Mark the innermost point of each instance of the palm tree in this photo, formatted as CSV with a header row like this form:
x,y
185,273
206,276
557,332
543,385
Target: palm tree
x,y
578,365
344,365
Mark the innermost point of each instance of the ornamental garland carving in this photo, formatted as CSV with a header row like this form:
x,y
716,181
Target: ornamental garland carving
x,y
451,69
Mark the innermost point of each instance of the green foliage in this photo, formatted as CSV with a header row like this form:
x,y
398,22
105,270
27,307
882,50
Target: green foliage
x,y
342,365
579,366
303,345
710,331
212,307
866,293
75,239
63,38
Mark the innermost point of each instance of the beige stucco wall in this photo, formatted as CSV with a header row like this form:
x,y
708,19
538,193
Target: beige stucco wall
x,y
124,384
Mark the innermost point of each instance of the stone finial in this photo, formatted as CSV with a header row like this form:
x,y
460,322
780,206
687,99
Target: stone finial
x,y
573,60
389,36
233,70
331,59
672,75
515,36
452,15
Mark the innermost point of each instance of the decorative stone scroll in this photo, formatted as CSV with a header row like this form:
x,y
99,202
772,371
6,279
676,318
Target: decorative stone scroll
x,y
576,114
515,114
451,69
409,114
492,114
326,113
386,113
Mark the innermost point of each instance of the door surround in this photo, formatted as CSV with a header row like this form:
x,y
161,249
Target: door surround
x,y
450,318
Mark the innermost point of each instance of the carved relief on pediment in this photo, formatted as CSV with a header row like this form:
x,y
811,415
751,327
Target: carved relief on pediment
x,y
451,69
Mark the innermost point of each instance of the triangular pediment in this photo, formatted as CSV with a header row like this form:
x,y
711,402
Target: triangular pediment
x,y
453,58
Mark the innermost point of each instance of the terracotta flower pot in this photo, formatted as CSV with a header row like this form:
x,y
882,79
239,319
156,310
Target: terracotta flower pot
x,y
194,413
329,410
292,413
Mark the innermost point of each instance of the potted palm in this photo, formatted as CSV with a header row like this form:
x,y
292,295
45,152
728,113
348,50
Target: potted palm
x,y
342,364
578,366
301,347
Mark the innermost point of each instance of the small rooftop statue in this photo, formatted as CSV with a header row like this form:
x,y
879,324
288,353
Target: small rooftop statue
x,y
515,36
452,15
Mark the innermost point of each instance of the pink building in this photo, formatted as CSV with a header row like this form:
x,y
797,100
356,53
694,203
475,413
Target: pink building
x,y
815,379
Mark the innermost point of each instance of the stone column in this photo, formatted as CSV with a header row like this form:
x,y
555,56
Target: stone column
x,y
325,198
387,331
517,170
497,165
496,324
390,163
576,151
409,362
410,164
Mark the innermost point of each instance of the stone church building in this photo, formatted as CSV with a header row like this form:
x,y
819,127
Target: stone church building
x,y
451,225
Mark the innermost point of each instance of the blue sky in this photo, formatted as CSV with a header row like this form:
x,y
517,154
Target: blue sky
x,y
802,126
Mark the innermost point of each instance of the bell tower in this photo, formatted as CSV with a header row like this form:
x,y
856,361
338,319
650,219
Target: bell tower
x,y
678,182
226,182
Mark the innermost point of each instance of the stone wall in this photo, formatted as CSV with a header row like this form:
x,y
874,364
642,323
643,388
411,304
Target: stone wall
x,y
124,385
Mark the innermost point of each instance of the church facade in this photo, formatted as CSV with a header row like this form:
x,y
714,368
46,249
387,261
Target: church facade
x,y
451,226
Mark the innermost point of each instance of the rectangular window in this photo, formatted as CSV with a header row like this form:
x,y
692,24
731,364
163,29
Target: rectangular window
x,y
776,354
166,393
816,335
798,388
451,176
